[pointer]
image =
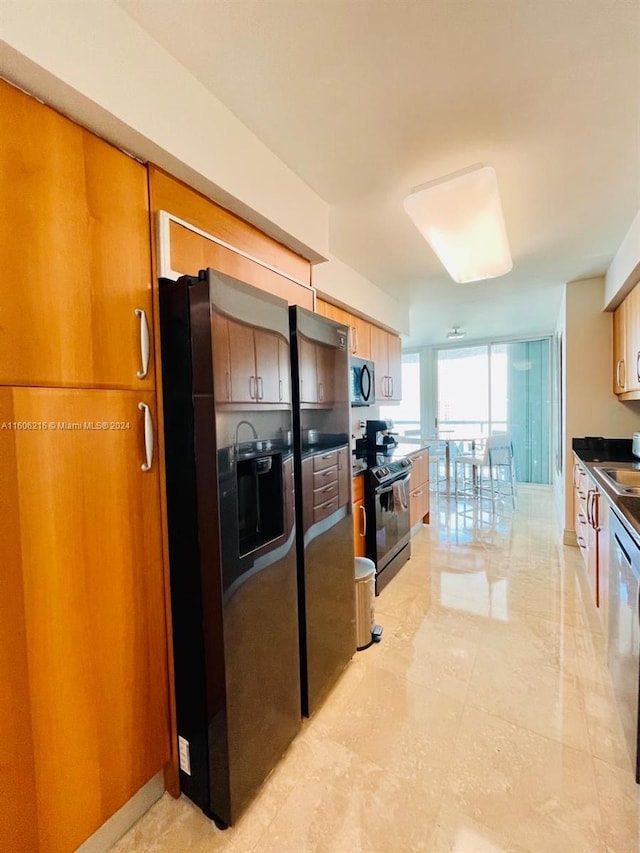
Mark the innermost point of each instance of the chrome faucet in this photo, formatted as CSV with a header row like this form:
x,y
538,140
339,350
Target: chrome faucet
x,y
251,427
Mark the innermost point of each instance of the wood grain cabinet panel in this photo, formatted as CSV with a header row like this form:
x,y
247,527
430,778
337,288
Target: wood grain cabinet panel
x,y
359,329
74,251
86,546
619,350
626,347
419,503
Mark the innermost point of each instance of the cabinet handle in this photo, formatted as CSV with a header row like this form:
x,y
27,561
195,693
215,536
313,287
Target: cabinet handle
x,y
418,493
252,388
339,460
391,386
144,343
321,392
354,340
227,385
280,387
638,366
595,510
326,456
581,542
148,437
326,504
417,458
364,520
589,516
327,488
327,472
260,388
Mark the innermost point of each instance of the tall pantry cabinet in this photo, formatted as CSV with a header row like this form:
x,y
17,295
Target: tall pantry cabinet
x,y
84,695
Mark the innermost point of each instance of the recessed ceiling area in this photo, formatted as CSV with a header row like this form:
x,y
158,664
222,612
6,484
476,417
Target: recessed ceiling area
x,y
367,99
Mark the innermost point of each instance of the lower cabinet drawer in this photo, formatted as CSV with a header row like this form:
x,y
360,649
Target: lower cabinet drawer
x,y
323,478
322,495
325,509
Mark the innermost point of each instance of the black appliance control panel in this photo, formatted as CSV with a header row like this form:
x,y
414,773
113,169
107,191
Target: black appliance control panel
x,y
391,470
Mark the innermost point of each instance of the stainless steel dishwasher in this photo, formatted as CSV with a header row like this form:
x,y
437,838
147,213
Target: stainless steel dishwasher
x,y
624,631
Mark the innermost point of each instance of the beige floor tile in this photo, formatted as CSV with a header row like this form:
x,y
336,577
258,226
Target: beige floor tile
x,y
620,807
539,698
536,792
484,722
457,832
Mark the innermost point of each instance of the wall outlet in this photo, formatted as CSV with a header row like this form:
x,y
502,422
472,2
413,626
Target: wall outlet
x,y
185,755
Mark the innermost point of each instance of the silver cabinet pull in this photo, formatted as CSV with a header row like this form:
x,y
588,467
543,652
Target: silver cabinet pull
x,y
391,386
227,385
364,520
354,340
638,366
260,388
252,388
618,383
623,384
148,437
144,343
280,386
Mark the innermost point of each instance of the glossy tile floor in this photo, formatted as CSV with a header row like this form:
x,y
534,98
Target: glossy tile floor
x,y
483,723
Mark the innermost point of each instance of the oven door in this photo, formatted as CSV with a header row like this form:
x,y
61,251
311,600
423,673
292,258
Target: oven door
x,y
391,507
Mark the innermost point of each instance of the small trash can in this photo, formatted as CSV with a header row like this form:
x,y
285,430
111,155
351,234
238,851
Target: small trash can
x,y
365,596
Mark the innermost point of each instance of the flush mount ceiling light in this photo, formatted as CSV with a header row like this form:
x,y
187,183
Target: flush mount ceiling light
x,y
455,334
460,216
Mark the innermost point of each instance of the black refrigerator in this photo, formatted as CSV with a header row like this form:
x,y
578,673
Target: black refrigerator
x,y
232,535
321,419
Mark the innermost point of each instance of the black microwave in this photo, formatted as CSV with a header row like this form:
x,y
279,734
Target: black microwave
x,y
362,382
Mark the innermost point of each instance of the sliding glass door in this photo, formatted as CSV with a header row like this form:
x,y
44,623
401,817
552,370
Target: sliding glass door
x,y
502,387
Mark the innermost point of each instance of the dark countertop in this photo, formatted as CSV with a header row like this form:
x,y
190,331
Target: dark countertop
x,y
616,451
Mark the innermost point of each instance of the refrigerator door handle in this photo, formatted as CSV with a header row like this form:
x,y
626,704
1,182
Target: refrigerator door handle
x,y
144,343
148,437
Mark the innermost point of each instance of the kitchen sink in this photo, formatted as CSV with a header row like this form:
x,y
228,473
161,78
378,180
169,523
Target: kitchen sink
x,y
624,481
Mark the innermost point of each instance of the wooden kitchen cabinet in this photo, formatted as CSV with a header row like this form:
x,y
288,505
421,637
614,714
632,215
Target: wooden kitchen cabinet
x,y
316,373
619,350
359,518
386,352
419,507
76,307
626,347
250,364
587,513
359,329
83,606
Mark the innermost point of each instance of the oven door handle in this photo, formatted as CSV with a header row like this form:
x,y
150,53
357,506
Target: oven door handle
x,y
388,487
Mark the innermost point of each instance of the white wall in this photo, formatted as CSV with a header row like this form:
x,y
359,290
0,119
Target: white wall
x,y
94,63
624,270
343,285
590,406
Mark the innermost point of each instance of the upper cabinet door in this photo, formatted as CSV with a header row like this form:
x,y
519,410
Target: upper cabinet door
x,y
74,253
242,360
632,339
284,370
394,345
360,337
267,367
619,350
380,356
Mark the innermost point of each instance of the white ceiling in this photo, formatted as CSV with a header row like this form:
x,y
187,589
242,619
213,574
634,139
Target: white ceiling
x,y
365,99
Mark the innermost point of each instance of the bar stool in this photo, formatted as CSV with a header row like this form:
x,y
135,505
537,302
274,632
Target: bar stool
x,y
493,474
